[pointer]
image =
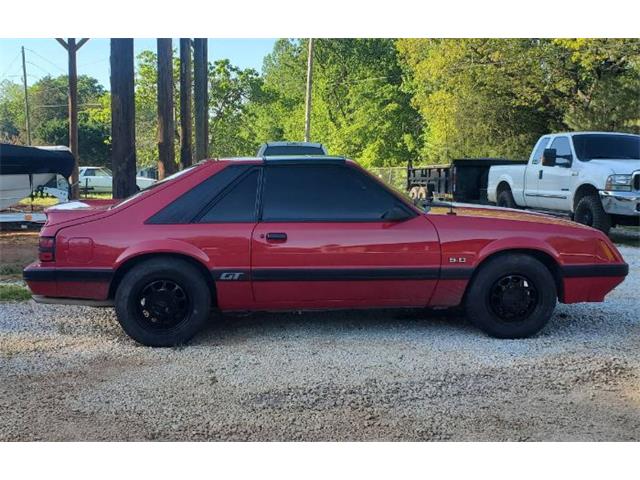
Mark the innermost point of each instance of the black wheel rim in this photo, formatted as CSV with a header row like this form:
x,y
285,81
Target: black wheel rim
x,y
587,218
513,298
162,305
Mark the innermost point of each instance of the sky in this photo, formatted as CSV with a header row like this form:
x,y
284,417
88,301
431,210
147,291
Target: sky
x,y
45,56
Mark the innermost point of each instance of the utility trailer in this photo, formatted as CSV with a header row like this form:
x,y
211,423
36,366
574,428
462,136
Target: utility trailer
x,y
31,171
463,180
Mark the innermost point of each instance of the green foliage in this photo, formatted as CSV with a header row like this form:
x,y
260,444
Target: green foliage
x,y
359,107
495,97
49,111
383,102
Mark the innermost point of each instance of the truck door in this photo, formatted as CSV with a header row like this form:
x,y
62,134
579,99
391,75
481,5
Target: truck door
x,y
532,174
324,240
554,184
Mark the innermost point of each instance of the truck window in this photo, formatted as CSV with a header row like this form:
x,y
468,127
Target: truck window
x,y
562,146
537,154
602,146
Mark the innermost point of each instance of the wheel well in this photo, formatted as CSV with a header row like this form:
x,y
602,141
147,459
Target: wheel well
x,y
583,191
132,262
544,258
502,187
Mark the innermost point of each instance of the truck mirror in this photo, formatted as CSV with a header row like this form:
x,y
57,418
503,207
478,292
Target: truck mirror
x,y
549,157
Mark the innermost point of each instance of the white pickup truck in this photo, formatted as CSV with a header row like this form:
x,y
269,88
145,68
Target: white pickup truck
x,y
592,176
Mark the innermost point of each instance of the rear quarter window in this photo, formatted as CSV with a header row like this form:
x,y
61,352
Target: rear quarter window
x,y
186,207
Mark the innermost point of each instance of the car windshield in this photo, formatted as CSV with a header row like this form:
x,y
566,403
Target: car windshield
x,y
602,146
152,186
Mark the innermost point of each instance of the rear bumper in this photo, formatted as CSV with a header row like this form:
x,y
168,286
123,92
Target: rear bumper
x,y
621,203
70,283
72,301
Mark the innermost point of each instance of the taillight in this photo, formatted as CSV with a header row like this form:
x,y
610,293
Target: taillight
x,y
46,249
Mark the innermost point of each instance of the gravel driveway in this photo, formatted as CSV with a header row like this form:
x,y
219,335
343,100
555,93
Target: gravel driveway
x,y
69,373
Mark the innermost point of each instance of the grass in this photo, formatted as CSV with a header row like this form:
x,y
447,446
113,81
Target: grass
x,y
11,269
9,293
49,201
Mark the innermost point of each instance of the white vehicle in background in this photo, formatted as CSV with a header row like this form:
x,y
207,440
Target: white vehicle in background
x,y
99,180
592,176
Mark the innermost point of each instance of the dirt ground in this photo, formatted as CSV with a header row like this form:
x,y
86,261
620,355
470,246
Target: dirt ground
x,y
69,373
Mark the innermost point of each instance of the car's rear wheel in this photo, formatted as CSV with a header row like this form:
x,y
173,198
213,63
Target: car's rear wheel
x,y
511,296
589,211
505,199
163,302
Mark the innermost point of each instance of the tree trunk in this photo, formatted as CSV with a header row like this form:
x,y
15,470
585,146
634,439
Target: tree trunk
x,y
123,133
201,99
186,155
166,163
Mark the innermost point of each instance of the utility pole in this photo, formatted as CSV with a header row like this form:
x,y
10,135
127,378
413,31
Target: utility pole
x,y
186,156
72,47
200,97
307,113
166,130
123,120
26,98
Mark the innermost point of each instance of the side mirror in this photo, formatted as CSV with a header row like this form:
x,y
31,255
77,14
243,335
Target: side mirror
x,y
549,157
395,214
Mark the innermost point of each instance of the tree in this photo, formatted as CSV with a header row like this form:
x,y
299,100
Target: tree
x,y
359,107
495,97
123,136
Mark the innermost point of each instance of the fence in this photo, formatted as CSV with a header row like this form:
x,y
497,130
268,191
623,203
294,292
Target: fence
x,y
394,176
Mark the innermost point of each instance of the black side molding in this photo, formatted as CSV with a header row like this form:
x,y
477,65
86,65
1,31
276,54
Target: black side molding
x,y
68,274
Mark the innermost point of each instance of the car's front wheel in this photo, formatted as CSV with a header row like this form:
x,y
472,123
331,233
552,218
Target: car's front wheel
x,y
511,296
163,302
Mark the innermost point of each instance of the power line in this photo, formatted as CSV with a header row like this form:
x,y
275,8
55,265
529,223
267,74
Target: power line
x,y
9,67
46,60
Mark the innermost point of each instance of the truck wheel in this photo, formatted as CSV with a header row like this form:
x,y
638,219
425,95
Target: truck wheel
x,y
589,212
505,199
511,296
163,302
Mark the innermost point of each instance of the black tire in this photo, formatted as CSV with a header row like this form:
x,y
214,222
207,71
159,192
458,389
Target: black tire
x,y
589,212
505,199
163,302
505,308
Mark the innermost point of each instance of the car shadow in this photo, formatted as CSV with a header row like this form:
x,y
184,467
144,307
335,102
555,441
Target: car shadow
x,y
230,328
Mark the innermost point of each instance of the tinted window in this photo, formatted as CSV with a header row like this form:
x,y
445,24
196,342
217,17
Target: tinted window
x,y
191,203
592,146
90,172
562,146
537,155
322,192
237,205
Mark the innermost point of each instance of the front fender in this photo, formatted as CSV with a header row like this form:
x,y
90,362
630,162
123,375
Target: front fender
x,y
516,243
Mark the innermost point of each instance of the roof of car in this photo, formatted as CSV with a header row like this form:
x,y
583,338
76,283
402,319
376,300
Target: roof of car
x,y
588,132
289,159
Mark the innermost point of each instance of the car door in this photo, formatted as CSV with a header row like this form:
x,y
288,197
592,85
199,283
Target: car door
x,y
533,172
554,181
322,241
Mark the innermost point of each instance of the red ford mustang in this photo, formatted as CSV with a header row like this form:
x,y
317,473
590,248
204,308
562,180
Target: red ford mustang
x,y
285,233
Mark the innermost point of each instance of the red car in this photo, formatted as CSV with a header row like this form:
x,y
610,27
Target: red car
x,y
284,233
